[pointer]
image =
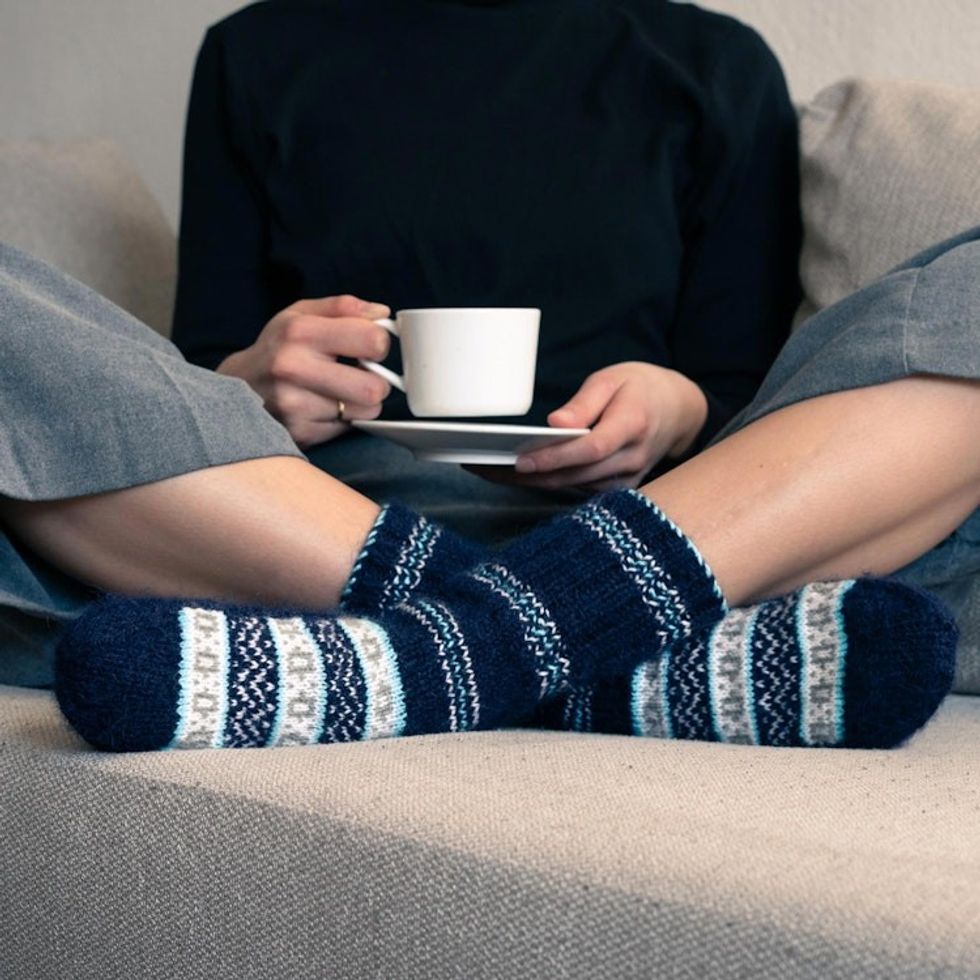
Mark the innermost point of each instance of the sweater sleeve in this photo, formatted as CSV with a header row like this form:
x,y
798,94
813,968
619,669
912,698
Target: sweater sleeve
x,y
740,281
223,291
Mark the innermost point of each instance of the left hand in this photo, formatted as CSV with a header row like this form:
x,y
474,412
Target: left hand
x,y
639,412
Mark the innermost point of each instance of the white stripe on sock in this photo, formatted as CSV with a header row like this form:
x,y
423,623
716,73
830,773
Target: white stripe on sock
x,y
729,681
822,641
649,703
385,708
202,709
299,717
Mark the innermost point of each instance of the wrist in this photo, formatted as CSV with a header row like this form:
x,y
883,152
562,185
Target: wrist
x,y
693,413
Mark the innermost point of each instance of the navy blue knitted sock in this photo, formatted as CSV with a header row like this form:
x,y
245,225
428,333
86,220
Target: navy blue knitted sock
x,y
595,591
855,664
405,553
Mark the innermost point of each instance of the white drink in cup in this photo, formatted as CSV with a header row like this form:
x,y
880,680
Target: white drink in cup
x,y
466,362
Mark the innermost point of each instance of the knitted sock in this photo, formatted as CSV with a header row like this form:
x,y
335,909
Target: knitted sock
x,y
597,590
404,553
856,664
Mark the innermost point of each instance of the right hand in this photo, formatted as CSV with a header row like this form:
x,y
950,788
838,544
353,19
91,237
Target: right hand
x,y
293,365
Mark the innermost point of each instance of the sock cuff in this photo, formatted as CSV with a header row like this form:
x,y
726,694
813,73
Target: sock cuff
x,y
657,555
396,550
400,550
695,551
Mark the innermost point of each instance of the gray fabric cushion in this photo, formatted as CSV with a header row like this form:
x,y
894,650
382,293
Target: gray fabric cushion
x,y
494,855
888,169
83,208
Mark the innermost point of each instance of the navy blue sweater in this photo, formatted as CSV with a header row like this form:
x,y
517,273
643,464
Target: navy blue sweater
x,y
629,166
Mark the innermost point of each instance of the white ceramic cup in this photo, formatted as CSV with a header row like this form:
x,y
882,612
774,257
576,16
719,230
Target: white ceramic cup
x,y
465,362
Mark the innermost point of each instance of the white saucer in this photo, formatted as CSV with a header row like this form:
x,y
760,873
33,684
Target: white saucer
x,y
468,442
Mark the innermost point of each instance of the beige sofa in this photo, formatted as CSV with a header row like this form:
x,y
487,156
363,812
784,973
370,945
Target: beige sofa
x,y
514,853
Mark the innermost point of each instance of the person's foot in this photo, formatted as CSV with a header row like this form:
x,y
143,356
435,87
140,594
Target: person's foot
x,y
856,664
594,592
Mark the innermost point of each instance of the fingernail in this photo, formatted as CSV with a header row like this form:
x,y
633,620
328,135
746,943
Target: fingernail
x,y
374,311
525,464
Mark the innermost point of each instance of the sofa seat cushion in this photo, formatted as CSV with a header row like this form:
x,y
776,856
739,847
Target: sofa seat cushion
x,y
501,854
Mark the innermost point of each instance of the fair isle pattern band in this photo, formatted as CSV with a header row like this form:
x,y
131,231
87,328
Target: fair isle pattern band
x,y
820,630
346,693
541,634
776,668
253,682
385,708
203,702
416,551
729,670
649,708
686,690
654,584
299,720
454,658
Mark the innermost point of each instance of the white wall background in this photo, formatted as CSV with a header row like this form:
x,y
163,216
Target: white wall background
x,y
121,68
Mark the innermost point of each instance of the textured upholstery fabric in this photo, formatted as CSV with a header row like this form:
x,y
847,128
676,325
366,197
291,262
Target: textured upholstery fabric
x,y
888,169
83,208
496,855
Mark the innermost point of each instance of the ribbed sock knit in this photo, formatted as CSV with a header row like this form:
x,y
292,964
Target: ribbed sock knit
x,y
594,592
855,664
405,553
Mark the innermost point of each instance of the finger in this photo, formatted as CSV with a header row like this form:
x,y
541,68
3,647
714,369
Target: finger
x,y
621,467
308,416
587,404
326,378
338,336
617,428
345,305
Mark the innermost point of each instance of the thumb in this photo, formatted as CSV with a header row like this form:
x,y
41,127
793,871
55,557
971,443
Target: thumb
x,y
587,404
345,305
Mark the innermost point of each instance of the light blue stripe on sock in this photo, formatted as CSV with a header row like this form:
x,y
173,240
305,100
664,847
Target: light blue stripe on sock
x,y
842,663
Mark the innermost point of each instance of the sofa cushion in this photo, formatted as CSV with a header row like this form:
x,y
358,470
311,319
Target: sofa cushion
x,y
489,855
83,208
888,169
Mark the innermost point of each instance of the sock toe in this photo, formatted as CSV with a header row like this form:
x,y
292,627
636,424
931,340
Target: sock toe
x,y
117,673
900,661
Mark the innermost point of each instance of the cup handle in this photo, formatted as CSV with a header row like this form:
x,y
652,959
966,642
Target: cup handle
x,y
379,369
